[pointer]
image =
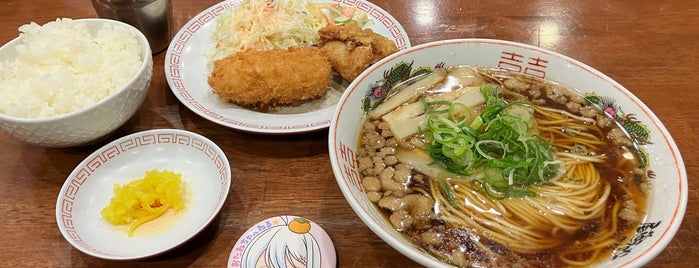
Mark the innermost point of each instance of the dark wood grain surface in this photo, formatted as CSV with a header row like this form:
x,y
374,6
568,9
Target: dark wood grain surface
x,y
650,47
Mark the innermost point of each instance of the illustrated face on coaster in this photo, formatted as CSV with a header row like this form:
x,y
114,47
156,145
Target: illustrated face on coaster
x,y
284,242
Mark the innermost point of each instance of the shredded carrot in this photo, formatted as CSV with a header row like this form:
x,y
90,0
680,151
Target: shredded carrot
x,y
348,12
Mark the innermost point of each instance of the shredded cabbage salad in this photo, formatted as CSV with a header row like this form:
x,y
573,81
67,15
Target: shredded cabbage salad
x,y
271,24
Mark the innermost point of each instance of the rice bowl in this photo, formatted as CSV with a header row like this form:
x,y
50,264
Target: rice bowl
x,y
45,81
44,115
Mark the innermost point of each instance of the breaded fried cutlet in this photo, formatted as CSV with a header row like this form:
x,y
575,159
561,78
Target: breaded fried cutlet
x,y
348,60
264,79
352,49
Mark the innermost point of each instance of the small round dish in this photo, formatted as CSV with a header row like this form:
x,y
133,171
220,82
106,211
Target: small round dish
x,y
89,188
291,240
186,72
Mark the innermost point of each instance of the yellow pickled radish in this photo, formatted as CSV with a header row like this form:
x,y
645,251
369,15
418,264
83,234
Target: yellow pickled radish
x,y
145,199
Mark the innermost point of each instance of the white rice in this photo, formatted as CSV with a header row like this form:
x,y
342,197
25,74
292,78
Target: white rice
x,y
62,68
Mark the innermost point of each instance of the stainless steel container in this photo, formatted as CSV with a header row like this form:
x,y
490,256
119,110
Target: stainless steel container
x,y
152,17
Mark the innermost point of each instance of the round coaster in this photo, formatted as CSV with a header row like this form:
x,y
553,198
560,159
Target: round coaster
x,y
284,241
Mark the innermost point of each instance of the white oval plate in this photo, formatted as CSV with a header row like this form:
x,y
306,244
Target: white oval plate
x,y
89,188
187,73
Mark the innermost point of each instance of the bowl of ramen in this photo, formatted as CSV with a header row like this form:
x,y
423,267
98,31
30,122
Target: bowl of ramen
x,y
489,153
143,194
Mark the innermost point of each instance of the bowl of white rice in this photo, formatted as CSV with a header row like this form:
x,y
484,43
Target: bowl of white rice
x,y
71,82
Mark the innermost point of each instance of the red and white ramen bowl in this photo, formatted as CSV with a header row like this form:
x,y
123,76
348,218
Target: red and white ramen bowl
x,y
667,198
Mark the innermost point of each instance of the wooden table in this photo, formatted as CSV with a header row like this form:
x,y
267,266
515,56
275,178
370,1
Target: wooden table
x,y
650,47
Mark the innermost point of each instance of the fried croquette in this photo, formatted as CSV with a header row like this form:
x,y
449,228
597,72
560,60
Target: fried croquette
x,y
264,79
352,49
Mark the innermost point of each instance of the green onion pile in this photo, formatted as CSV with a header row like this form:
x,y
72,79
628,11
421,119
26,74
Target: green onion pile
x,y
500,145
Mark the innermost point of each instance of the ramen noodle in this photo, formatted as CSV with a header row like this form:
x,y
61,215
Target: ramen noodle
x,y
489,168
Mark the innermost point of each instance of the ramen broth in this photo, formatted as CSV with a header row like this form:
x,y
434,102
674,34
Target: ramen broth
x,y
595,197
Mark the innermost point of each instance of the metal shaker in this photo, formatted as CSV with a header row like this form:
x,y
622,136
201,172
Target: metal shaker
x,y
152,17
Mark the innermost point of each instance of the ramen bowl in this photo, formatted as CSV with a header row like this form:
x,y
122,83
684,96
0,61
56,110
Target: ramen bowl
x,y
666,174
205,175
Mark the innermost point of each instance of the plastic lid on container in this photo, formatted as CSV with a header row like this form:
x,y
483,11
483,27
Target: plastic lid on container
x,y
284,241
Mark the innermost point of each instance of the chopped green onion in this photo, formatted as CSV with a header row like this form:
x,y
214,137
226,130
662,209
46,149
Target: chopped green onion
x,y
499,143
444,185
